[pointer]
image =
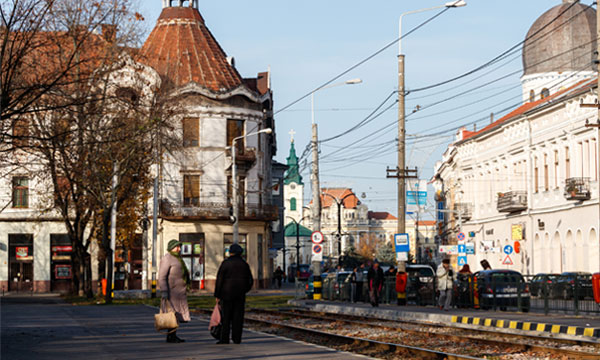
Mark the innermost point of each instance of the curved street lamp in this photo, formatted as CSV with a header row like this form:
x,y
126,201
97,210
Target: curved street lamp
x,y
297,223
339,203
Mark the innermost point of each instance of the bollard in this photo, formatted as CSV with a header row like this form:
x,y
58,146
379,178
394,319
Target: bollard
x,y
401,282
153,289
317,290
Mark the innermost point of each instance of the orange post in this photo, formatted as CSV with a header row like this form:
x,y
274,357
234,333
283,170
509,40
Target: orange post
x,y
103,282
401,281
596,287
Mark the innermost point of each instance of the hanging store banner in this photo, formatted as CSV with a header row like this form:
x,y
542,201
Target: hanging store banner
x,y
449,249
416,195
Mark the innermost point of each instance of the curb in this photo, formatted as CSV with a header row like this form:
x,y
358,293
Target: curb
x,y
528,326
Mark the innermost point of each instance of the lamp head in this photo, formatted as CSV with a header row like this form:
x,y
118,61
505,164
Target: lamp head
x,y
353,81
266,131
457,3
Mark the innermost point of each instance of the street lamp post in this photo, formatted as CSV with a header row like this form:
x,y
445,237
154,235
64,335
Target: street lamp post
x,y
234,182
297,224
401,116
339,203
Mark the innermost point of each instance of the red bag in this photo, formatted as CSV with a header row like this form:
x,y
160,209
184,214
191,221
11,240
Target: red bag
x,y
215,322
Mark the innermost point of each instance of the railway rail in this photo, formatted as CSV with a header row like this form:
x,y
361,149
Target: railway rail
x,y
391,339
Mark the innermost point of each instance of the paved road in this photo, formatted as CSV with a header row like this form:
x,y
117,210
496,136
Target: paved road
x,y
43,328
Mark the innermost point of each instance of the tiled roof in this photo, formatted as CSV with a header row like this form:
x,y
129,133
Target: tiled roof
x,y
578,87
381,215
351,202
182,50
426,223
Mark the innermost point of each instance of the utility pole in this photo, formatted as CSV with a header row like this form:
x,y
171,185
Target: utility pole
x,y
316,188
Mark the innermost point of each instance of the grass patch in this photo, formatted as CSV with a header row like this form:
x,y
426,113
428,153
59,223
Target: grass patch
x,y
194,301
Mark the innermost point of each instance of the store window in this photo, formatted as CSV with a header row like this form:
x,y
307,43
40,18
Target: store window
x,y
61,249
228,241
192,253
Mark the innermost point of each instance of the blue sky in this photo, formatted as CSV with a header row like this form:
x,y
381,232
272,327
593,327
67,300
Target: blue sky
x,y
310,42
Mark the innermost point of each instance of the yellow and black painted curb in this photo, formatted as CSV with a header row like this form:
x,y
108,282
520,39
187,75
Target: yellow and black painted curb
x,y
528,326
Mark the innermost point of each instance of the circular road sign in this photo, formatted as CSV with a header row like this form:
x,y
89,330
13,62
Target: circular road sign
x,y
316,237
317,248
461,236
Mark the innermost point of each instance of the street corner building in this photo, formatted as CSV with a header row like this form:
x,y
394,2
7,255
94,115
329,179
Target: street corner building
x,y
523,190
212,104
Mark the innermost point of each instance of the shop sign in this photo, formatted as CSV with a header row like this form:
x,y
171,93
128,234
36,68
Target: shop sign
x,y
517,232
120,255
22,252
62,248
449,249
62,271
486,246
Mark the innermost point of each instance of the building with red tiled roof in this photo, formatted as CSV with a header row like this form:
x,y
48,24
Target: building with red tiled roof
x,y
530,178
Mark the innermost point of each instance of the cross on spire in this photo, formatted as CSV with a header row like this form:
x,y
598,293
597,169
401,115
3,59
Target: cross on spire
x,y
292,133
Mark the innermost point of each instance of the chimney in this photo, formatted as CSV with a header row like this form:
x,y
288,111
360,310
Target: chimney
x,y
491,118
109,33
474,127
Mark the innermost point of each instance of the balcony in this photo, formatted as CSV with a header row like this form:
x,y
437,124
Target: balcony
x,y
465,209
512,201
577,189
216,211
245,157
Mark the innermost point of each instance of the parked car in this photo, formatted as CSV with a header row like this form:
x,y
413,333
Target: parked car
x,y
565,284
303,274
502,288
420,287
542,284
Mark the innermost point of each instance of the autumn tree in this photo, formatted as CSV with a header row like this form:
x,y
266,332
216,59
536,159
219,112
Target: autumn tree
x,y
367,245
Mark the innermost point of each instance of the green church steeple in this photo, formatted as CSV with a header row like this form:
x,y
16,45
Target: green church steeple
x,y
292,174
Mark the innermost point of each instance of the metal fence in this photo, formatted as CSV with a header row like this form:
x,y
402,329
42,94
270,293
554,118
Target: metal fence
x,y
569,293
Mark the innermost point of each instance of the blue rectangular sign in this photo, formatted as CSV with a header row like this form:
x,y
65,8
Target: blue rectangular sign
x,y
402,242
462,260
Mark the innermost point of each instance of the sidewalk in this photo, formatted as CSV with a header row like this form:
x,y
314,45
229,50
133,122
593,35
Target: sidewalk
x,y
553,325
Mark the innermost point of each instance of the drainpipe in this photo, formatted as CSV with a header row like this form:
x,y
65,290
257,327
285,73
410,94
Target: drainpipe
x,y
530,197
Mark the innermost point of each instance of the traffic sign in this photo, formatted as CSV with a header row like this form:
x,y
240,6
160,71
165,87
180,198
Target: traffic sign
x,y
508,250
402,243
462,260
470,248
507,260
317,252
462,248
461,236
316,237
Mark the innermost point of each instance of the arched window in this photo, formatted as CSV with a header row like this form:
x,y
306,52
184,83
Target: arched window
x,y
531,96
293,204
545,93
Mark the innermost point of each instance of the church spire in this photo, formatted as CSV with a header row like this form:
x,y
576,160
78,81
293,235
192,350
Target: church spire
x,y
292,174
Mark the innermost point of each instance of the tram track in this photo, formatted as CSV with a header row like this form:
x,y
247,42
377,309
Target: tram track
x,y
391,339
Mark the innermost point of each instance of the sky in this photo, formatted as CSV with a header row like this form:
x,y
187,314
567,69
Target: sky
x,y
307,44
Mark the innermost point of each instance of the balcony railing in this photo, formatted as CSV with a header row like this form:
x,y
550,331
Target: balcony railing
x,y
244,155
465,209
512,201
577,188
217,211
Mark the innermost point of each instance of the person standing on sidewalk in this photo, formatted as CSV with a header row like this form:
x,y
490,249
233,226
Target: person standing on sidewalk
x,y
360,278
375,279
173,280
234,280
279,276
445,282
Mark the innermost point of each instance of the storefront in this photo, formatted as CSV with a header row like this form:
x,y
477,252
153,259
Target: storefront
x,y
20,262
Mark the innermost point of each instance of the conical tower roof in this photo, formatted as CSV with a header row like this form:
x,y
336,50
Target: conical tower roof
x,y
293,173
182,50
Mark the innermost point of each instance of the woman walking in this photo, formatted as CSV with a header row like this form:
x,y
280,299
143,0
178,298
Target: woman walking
x,y
173,280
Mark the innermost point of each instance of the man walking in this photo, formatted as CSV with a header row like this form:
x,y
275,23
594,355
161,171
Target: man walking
x,y
375,280
234,280
445,279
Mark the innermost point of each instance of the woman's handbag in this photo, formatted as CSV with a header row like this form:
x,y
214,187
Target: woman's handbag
x,y
166,318
215,322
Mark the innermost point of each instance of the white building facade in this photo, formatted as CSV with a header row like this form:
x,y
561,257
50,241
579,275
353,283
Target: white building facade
x,y
527,184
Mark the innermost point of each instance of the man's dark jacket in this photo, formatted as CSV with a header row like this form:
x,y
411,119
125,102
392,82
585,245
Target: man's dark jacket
x,y
234,279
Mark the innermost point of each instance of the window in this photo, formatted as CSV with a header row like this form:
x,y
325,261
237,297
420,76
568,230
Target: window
x,y
556,169
20,192
531,96
293,204
567,163
545,93
20,133
235,128
586,159
191,190
594,159
546,181
536,175
191,132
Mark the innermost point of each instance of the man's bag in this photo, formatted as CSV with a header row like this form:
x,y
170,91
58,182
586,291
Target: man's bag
x,y
166,318
215,323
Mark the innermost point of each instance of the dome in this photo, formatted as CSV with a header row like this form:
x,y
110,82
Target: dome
x,y
566,43
182,50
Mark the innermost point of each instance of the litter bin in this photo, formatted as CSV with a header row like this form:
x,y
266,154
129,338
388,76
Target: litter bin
x,y
596,286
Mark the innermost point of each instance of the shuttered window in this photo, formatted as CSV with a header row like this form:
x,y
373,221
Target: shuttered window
x,y
235,128
191,190
21,133
191,132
